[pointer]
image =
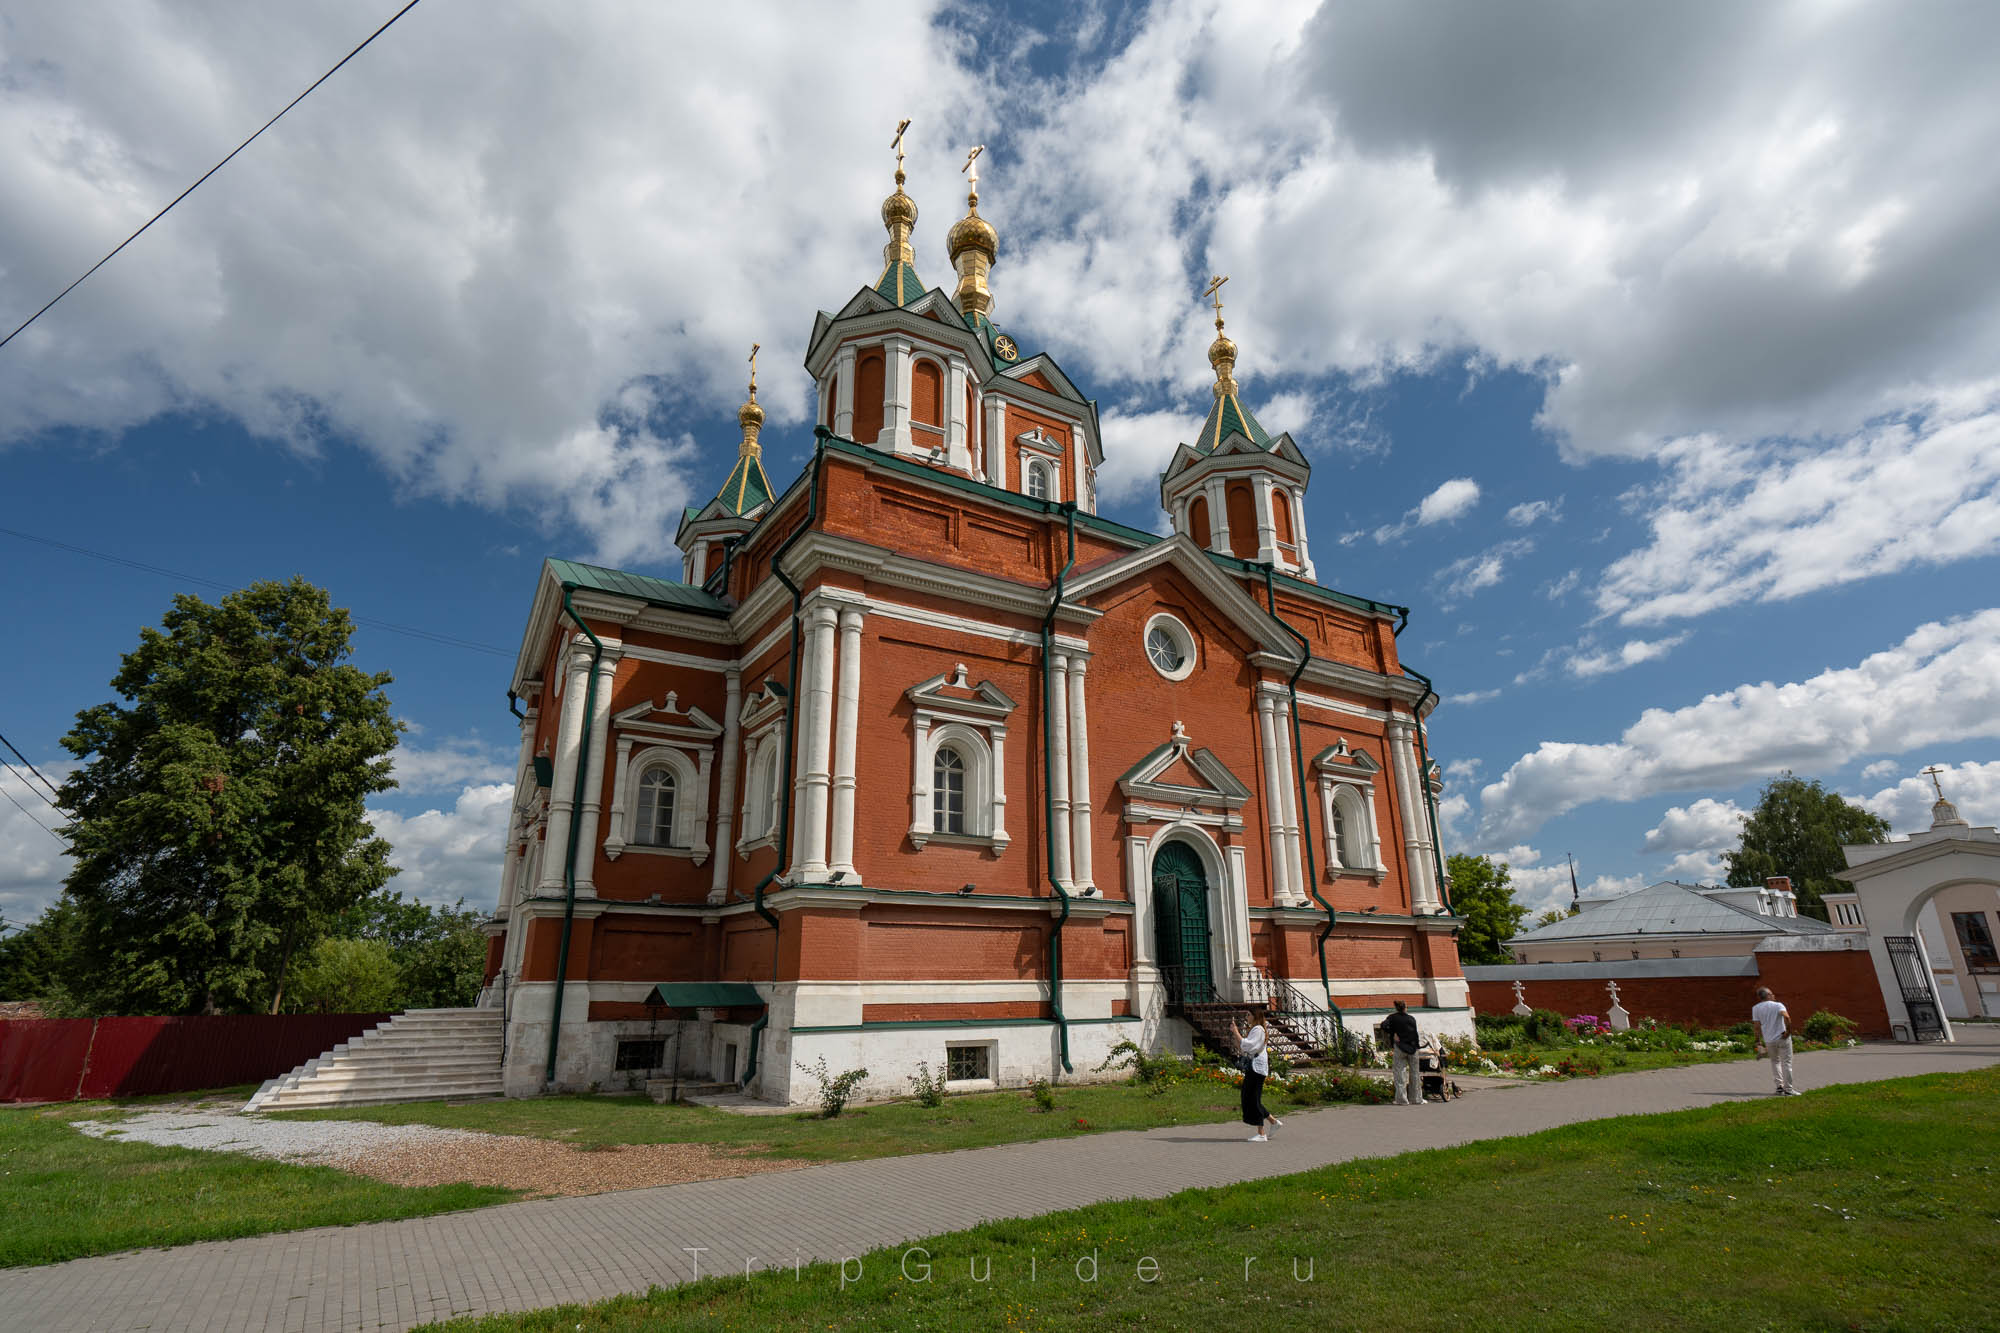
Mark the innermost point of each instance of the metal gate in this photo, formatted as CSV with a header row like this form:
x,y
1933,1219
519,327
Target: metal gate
x,y
1180,916
1913,977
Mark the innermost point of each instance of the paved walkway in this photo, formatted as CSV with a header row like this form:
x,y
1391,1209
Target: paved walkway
x,y
391,1275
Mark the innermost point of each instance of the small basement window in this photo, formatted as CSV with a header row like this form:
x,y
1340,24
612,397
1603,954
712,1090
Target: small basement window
x,y
968,1062
641,1055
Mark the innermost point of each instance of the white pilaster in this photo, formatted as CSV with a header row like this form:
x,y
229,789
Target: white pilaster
x,y
921,818
896,397
1218,517
1058,771
957,451
1139,891
817,778
1402,763
524,789
1298,502
591,806
732,742
843,394
614,838
569,738
1274,819
998,735
1267,529
994,450
1295,873
1236,901
841,855
1079,776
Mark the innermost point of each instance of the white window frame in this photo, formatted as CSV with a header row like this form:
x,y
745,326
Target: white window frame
x,y
684,739
1184,640
1035,470
761,719
1347,781
688,833
976,728
1033,445
992,1049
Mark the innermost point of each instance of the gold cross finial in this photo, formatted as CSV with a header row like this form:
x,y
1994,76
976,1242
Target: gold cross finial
x,y
970,171
1214,289
753,368
1932,773
897,144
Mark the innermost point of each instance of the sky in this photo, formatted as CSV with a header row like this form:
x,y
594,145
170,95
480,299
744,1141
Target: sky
x,y
1650,355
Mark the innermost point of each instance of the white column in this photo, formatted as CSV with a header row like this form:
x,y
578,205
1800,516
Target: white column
x,y
998,736
818,778
614,839
920,784
569,736
841,855
896,397
1236,899
1281,724
1058,771
704,770
524,787
1267,523
591,805
1403,764
843,394
1218,517
732,741
1139,891
1274,819
957,450
1079,776
1298,502
995,447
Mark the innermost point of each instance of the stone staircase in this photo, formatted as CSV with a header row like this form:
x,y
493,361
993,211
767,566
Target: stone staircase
x,y
420,1055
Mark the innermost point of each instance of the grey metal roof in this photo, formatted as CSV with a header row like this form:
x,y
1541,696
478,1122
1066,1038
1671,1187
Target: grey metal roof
x,y
1668,908
660,592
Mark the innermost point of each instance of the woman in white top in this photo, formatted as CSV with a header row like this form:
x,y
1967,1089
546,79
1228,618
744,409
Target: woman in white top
x,y
1256,1063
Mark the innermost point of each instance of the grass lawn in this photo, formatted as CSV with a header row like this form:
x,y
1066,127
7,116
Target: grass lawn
x,y
869,1131
64,1194
1870,1207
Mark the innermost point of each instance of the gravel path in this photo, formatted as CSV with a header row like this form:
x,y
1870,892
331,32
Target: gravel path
x,y
429,1155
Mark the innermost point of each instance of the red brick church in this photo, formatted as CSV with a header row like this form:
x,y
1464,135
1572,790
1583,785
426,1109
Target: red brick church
x,y
926,761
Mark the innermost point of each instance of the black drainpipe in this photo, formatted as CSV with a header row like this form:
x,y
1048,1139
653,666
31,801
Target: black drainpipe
x,y
784,844
575,830
1049,789
1305,810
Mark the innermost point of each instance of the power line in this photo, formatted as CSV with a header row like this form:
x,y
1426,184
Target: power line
x,y
31,768
29,786
411,631
210,172
31,818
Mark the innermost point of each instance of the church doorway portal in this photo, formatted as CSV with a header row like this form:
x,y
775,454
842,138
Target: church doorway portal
x,y
1180,909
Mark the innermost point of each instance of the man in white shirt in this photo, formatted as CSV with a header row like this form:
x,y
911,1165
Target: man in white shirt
x,y
1774,1033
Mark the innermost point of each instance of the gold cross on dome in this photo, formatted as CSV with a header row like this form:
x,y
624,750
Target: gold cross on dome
x,y
970,171
1932,773
897,142
753,368
1214,289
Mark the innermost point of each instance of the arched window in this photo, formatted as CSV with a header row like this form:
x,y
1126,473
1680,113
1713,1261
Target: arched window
x,y
948,791
1281,516
655,824
868,391
1198,522
1343,835
1038,481
927,393
1241,507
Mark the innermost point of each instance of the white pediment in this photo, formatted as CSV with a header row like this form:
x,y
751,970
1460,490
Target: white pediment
x,y
949,695
667,718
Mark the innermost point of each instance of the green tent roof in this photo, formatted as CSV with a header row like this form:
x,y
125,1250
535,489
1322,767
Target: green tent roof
x,y
1229,417
659,592
747,488
704,994
899,283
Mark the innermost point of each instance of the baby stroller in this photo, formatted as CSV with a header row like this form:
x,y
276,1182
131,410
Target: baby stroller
x,y
1430,1068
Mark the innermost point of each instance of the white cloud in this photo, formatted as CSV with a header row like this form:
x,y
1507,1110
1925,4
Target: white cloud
x,y
1629,654
33,862
1526,514
1696,868
450,765
1470,574
1706,825
1451,500
1732,523
1470,697
1557,589
1463,768
1973,787
474,252
445,855
1940,684
1137,448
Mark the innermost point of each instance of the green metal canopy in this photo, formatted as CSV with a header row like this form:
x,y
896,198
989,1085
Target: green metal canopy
x,y
704,994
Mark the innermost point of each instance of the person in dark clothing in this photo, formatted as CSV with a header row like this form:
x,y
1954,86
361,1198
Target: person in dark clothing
x,y
1254,1059
1400,1031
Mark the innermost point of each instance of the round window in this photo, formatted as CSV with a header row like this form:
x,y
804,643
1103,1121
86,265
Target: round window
x,y
1169,647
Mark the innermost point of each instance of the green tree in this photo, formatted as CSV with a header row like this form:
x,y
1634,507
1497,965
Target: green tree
x,y
31,958
1550,917
440,952
347,976
218,819
1482,892
1797,829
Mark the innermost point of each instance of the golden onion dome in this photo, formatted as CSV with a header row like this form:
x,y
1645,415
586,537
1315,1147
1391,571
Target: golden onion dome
x,y
1222,356
899,210
972,232
750,415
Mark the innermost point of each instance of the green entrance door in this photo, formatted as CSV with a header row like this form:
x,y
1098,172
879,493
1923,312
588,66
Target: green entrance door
x,y
1180,922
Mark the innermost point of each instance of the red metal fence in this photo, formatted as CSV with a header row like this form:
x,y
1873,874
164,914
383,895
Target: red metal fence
x,y
66,1059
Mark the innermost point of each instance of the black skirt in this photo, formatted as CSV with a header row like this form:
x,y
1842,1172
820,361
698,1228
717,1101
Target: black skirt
x,y
1253,1100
